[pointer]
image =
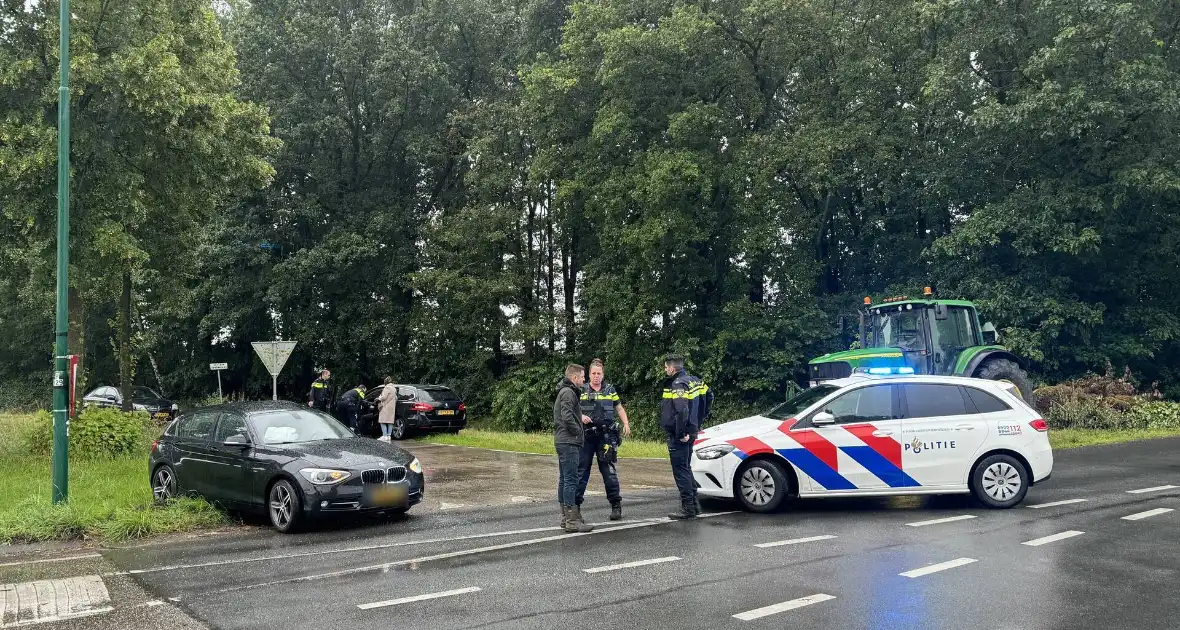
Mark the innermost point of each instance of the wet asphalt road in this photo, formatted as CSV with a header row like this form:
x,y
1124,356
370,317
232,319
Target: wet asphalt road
x,y
1102,572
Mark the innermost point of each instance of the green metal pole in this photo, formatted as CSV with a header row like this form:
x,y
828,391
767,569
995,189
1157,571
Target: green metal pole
x,y
61,392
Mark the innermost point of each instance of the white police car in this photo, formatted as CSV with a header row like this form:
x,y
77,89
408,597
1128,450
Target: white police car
x,y
880,435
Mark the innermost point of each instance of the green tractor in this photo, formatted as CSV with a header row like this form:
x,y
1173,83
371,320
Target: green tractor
x,y
926,336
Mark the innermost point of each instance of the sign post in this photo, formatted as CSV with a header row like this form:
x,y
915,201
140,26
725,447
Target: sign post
x,y
61,390
218,367
274,355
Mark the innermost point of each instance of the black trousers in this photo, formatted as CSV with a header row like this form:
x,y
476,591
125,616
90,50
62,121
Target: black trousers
x,y
591,450
680,453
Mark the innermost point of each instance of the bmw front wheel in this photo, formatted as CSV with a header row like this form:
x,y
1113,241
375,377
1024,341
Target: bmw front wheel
x,y
762,486
286,507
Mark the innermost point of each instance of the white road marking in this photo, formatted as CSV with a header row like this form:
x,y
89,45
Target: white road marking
x,y
44,601
938,521
793,541
523,499
1148,514
783,607
1152,489
308,554
1037,542
386,566
43,560
450,506
628,565
419,598
935,568
1057,503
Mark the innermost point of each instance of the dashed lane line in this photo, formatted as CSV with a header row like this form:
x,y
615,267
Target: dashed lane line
x,y
326,552
419,598
939,521
774,609
1037,542
1057,503
793,541
935,568
386,566
1148,514
1152,489
631,565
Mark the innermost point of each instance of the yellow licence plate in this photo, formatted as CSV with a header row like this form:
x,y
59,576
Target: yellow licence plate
x,y
388,495
161,414
446,412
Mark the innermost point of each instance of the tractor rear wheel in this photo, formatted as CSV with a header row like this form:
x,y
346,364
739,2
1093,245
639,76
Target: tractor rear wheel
x,y
1005,370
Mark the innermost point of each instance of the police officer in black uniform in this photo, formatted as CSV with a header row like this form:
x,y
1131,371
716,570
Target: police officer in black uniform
x,y
320,396
349,406
600,402
685,404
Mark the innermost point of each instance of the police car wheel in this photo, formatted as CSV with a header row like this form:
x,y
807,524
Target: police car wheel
x,y
761,486
999,481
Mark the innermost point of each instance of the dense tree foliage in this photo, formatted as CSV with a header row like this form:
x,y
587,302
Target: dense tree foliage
x,y
474,191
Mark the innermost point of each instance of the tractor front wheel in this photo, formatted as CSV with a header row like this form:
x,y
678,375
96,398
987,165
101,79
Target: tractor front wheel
x,y
1005,370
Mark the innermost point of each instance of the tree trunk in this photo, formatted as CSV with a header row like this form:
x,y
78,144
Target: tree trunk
x,y
549,272
125,341
570,277
77,337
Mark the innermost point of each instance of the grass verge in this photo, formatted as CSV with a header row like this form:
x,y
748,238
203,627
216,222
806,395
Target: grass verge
x,y
540,443
109,499
1073,438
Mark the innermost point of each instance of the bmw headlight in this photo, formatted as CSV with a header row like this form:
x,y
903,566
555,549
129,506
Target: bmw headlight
x,y
324,476
715,452
416,466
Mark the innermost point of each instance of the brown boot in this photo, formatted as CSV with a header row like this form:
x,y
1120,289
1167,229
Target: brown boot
x,y
576,524
616,511
565,516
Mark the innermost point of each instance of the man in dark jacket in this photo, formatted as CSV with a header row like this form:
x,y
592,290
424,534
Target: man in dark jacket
x,y
685,403
320,397
568,437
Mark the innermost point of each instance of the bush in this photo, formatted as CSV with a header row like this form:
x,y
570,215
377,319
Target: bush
x,y
1084,413
523,399
1155,415
95,433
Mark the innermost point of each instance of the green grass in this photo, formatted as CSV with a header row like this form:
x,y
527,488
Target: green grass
x,y
1073,438
110,499
541,443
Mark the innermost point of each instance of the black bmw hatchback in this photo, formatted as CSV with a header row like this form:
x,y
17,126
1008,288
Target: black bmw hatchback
x,y
292,462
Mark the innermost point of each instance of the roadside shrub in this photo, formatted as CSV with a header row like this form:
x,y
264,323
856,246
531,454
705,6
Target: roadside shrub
x,y
1116,394
1084,413
1155,415
523,399
96,432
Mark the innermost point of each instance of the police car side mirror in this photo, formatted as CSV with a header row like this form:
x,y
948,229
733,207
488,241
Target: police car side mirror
x,y
823,418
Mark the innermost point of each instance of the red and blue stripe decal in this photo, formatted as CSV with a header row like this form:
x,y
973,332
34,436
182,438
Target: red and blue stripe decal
x,y
818,458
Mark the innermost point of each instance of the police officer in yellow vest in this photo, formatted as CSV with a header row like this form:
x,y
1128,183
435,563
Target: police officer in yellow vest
x,y
320,397
685,404
600,402
350,406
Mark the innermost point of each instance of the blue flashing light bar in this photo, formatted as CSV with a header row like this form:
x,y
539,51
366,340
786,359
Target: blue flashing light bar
x,y
891,370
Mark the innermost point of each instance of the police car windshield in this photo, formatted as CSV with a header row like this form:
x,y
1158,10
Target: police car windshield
x,y
804,400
